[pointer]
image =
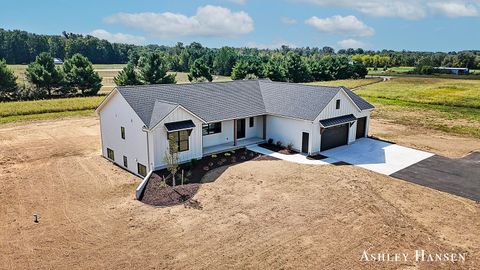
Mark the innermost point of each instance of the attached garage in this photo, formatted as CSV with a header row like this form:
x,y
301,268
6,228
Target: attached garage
x,y
334,136
361,127
334,132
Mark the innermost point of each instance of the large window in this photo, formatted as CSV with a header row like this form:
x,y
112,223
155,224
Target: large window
x,y
122,132
251,122
212,128
181,139
142,170
110,154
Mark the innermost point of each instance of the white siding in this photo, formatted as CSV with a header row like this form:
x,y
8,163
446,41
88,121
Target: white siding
x,y
346,107
160,141
117,113
225,136
289,130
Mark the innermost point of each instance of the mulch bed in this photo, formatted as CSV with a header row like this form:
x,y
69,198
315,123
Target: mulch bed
x,y
276,148
317,157
158,195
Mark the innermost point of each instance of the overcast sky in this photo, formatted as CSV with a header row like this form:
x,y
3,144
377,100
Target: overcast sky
x,y
430,25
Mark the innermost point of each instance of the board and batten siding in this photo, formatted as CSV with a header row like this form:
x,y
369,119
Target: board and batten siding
x,y
160,140
346,107
115,115
256,130
288,130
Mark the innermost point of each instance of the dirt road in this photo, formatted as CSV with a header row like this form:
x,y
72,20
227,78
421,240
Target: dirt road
x,y
257,215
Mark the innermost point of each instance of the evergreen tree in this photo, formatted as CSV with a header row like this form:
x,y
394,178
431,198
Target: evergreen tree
x,y
8,83
79,75
128,76
247,65
224,61
44,74
199,71
297,70
274,69
154,68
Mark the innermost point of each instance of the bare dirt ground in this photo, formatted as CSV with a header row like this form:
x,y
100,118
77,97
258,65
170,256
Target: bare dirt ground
x,y
441,143
256,215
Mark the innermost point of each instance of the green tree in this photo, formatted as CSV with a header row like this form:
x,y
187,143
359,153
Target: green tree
x,y
8,83
128,76
224,61
297,70
247,65
199,71
154,68
275,69
80,75
44,74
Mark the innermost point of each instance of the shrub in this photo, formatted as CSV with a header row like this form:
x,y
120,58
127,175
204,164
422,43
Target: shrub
x,y
214,156
227,154
290,147
270,141
192,162
279,144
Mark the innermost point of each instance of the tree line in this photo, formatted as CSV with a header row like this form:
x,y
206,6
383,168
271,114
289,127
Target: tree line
x,y
75,77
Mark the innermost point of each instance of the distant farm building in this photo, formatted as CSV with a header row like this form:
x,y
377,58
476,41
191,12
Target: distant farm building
x,y
57,61
452,70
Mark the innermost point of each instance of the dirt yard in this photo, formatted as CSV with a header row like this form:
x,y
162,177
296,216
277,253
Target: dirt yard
x,y
437,142
256,215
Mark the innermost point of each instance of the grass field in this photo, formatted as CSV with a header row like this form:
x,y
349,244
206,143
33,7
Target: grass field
x,y
349,83
449,105
47,109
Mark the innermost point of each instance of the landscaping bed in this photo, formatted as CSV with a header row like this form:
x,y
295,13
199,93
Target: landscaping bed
x,y
160,193
278,148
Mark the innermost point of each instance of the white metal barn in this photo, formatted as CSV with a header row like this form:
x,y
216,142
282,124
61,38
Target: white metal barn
x,y
207,118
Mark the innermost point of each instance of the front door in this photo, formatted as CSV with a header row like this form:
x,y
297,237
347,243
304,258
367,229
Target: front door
x,y
305,136
361,127
240,128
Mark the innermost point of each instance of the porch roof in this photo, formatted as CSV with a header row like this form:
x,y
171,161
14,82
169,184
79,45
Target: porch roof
x,y
182,125
338,120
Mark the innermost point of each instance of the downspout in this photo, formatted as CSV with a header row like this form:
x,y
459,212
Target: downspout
x,y
146,130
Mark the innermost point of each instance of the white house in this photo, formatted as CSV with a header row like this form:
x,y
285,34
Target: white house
x,y
207,118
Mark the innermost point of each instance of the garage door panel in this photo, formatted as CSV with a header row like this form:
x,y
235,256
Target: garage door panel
x,y
334,137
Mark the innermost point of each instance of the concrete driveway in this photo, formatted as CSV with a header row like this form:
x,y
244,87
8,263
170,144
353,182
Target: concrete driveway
x,y
378,156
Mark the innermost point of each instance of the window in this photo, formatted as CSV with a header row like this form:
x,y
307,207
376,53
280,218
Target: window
x,y
338,104
251,122
125,162
122,132
110,154
142,170
212,128
181,139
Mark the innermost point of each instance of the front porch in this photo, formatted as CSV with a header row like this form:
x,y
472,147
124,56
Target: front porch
x,y
230,146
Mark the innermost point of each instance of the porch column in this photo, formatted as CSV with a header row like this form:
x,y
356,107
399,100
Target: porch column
x,y
264,120
235,132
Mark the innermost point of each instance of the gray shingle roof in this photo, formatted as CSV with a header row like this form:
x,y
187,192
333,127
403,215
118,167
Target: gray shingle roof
x,y
234,99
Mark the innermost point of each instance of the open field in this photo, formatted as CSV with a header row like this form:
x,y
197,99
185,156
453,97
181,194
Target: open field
x,y
351,84
256,215
403,72
448,105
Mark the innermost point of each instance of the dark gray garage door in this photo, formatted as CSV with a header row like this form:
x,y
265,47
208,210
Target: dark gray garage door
x,y
361,124
334,137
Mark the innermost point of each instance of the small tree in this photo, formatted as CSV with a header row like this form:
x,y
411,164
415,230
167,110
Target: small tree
x,y
154,68
172,158
199,71
8,83
274,69
128,76
43,74
79,74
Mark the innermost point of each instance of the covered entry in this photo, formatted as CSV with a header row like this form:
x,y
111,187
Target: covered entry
x,y
334,131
